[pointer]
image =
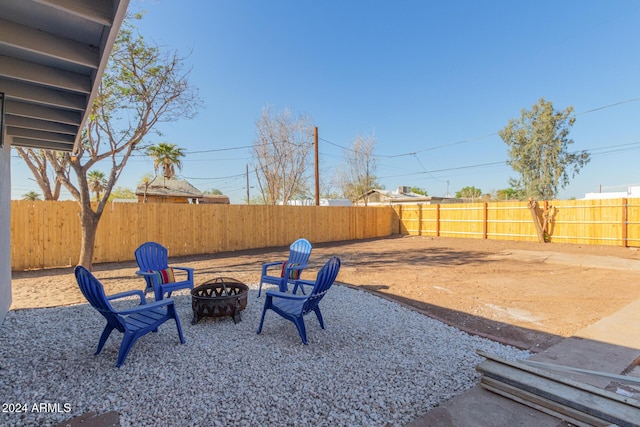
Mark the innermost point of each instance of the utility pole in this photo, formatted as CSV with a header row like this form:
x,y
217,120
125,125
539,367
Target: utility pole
x,y
248,184
317,172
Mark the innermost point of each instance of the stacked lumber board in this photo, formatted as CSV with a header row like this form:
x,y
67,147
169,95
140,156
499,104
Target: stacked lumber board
x,y
572,401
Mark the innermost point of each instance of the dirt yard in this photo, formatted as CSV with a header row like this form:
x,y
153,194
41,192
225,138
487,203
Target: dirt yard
x,y
513,292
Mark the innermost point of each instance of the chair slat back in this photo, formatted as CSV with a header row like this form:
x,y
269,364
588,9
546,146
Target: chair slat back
x,y
93,291
299,251
152,256
325,278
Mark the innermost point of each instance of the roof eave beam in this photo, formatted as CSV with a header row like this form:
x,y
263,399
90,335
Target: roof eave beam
x,y
31,40
98,11
43,75
17,141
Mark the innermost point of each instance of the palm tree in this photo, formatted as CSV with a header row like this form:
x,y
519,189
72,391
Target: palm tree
x,y
31,195
168,156
96,182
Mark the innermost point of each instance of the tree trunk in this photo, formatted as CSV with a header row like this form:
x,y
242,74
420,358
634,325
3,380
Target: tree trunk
x,y
533,205
89,224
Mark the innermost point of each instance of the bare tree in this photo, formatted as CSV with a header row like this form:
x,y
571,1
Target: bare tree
x,y
280,155
141,87
45,176
146,182
357,175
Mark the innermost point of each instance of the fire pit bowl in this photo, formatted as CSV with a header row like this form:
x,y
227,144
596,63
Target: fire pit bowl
x,y
222,296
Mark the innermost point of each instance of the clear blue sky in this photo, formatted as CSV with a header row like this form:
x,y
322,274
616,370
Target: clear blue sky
x,y
438,79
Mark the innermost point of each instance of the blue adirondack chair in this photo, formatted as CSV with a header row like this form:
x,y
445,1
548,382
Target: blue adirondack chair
x,y
153,259
134,322
294,307
289,270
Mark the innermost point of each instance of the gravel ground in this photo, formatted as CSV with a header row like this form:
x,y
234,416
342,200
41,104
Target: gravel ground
x,y
377,363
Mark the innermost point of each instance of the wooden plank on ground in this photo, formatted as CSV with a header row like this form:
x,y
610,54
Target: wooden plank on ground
x,y
570,369
541,404
558,394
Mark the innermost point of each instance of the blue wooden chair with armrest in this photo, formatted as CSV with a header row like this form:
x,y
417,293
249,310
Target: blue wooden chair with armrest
x,y
153,260
134,322
294,307
289,270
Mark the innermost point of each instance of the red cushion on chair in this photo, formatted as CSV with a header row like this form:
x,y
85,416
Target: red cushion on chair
x,y
293,274
164,276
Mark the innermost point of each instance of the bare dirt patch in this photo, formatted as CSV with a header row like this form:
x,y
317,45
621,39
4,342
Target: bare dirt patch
x,y
482,286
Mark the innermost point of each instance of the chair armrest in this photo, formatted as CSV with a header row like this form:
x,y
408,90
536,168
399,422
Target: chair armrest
x,y
289,268
127,294
145,273
287,276
298,267
188,270
271,264
265,266
286,295
305,282
144,307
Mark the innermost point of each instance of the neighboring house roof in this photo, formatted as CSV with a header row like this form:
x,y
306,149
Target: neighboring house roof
x,y
402,196
52,57
214,199
170,188
392,194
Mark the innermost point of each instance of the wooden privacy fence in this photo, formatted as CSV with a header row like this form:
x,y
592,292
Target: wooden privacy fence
x,y
588,222
48,234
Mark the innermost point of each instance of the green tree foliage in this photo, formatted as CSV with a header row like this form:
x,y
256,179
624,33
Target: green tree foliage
x,y
539,150
508,194
142,86
213,191
31,195
166,156
469,193
122,193
420,191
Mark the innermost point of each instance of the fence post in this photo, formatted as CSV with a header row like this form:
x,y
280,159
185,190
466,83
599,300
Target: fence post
x,y
419,219
625,222
438,220
485,219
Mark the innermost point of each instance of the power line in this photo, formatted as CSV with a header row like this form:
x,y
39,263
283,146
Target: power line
x,y
214,150
608,106
503,163
413,153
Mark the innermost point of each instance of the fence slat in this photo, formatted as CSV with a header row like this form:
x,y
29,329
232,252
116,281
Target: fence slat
x,y
47,234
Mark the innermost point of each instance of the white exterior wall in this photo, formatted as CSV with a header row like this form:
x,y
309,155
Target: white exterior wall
x,y
5,229
601,196
633,191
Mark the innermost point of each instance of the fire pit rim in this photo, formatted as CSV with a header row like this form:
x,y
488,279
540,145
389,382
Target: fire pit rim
x,y
201,302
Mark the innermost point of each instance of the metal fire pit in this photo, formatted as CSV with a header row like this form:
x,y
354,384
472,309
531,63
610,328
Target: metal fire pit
x,y
222,296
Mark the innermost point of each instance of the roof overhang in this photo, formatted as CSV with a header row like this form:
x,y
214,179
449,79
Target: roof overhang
x,y
52,57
